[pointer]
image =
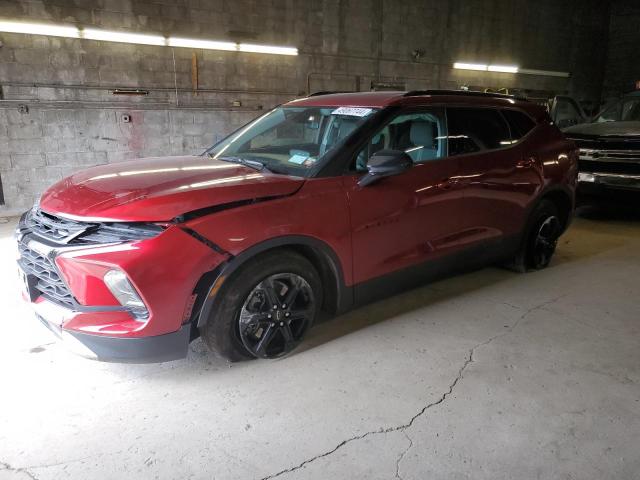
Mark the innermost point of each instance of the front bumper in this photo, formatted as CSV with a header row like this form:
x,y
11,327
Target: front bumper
x,y
159,348
66,290
596,183
152,349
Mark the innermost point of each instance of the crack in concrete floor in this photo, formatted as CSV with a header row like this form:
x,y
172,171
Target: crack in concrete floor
x,y
8,467
28,469
469,358
403,454
403,427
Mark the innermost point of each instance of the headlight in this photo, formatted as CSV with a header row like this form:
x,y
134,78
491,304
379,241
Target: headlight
x,y
586,177
122,232
120,286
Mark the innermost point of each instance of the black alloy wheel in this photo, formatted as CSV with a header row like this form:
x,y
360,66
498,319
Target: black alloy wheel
x,y
264,309
276,314
545,241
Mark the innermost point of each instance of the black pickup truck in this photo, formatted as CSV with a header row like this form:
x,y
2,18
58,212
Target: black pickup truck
x,y
609,148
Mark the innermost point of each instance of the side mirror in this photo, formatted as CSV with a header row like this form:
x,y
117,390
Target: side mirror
x,y
385,163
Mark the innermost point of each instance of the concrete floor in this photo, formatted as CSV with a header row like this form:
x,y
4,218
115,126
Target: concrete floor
x,y
487,375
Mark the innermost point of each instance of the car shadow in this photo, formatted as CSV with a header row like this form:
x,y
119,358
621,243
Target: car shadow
x,y
593,232
329,328
419,298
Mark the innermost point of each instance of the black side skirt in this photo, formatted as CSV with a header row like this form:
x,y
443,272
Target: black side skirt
x,y
473,258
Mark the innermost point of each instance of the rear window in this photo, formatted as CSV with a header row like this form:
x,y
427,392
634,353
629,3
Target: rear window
x,y
519,123
475,130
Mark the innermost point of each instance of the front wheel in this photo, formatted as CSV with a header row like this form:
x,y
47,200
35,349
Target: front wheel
x,y
266,308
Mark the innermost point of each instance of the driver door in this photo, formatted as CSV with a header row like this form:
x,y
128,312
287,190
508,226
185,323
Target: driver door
x,y
404,220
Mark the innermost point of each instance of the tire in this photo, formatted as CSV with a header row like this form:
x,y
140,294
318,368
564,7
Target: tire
x,y
254,316
540,240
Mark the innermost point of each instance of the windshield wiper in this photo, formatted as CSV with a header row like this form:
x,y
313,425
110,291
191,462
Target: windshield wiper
x,y
255,164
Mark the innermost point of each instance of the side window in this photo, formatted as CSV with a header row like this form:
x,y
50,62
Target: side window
x,y
419,134
631,110
475,130
519,123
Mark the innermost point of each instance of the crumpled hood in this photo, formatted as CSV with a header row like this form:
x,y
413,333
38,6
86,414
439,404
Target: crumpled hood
x,y
604,129
159,189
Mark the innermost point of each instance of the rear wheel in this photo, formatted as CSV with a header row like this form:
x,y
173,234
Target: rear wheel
x,y
541,240
265,308
544,242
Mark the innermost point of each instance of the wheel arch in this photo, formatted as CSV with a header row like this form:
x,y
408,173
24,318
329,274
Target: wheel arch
x,y
563,200
337,296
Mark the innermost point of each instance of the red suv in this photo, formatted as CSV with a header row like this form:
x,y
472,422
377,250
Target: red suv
x,y
318,205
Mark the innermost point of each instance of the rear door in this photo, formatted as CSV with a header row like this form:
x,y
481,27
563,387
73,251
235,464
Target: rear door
x,y
495,173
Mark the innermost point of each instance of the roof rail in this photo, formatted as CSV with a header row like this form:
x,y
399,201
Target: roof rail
x,y
463,93
326,92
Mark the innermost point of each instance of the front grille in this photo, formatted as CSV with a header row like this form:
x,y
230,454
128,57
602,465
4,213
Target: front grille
x,y
70,232
54,228
630,156
49,283
609,155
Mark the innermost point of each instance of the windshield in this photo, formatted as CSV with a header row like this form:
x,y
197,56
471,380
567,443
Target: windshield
x,y
624,110
291,140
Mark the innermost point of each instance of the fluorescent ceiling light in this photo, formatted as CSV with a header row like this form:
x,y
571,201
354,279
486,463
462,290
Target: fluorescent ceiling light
x,y
204,44
508,69
470,66
503,68
248,47
138,38
39,29
122,37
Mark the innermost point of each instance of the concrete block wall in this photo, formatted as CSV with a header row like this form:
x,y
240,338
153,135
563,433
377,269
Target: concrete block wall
x,y
73,119
46,144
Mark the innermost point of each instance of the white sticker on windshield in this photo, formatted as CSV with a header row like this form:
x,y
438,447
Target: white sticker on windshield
x,y
298,158
352,111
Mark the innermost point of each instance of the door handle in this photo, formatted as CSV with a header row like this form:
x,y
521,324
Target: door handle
x,y
447,183
526,163
444,184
